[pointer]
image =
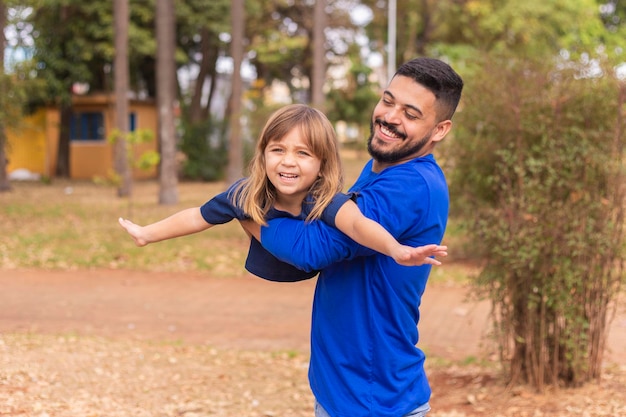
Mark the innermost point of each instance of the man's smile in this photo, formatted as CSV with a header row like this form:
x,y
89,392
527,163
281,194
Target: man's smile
x,y
389,131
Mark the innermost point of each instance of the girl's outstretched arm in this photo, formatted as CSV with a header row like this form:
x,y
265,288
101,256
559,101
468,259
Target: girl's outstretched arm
x,y
183,223
367,232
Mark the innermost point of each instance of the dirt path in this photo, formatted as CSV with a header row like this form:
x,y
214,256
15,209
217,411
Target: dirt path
x,y
244,313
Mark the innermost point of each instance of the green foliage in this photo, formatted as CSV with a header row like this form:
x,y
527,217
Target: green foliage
x,y
526,28
73,41
205,149
144,161
551,24
12,99
77,227
354,102
539,181
280,38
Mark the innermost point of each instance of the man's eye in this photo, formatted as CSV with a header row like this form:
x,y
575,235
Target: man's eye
x,y
411,116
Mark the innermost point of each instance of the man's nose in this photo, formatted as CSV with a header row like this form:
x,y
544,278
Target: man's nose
x,y
393,115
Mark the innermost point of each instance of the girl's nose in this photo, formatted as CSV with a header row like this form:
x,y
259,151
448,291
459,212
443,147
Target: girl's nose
x,y
288,159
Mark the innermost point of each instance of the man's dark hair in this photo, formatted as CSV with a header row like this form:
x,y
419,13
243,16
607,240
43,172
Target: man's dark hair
x,y
439,78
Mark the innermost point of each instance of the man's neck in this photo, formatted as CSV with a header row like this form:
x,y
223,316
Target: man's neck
x,y
378,166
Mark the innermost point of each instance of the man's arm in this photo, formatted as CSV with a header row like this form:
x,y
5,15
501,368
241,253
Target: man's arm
x,y
369,233
309,245
298,249
411,205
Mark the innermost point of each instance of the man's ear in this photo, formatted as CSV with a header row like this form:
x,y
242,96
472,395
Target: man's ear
x,y
441,130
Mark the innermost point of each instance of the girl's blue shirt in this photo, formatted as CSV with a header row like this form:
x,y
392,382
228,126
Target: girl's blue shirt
x,y
220,209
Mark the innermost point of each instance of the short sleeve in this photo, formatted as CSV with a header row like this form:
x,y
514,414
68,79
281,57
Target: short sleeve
x,y
330,212
220,209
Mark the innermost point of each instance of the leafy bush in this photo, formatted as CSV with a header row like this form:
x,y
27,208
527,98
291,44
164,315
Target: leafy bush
x,y
538,179
205,149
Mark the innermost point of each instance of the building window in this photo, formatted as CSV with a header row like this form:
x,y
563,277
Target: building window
x,y
132,122
90,125
87,126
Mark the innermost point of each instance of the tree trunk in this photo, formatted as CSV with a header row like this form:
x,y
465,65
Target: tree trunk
x,y
122,167
214,53
319,53
166,73
4,178
5,185
235,149
63,154
195,107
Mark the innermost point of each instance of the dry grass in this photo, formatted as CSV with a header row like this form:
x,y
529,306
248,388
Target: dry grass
x,y
72,224
95,376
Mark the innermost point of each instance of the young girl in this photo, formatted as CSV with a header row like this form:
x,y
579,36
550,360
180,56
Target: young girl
x,y
296,171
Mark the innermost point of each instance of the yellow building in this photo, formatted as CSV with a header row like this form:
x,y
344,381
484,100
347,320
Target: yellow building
x,y
33,145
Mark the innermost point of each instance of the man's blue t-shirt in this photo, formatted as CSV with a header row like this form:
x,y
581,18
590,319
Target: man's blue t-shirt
x,y
364,358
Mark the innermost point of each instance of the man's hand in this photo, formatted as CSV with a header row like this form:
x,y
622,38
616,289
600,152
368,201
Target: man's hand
x,y
410,256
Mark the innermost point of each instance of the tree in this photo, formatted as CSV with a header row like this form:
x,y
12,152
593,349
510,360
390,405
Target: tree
x,y
235,150
71,38
121,16
166,73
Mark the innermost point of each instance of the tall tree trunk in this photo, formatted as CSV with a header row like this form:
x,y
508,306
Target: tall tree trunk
x,y
5,185
63,153
166,71
319,53
214,53
195,107
4,178
65,113
121,99
235,149
208,71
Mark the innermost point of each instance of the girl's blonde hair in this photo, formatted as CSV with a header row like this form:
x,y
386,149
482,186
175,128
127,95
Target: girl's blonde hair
x,y
255,195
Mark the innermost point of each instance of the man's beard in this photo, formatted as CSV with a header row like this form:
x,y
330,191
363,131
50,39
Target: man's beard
x,y
398,154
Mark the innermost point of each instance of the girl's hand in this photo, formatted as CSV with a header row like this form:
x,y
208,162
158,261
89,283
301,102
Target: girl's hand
x,y
134,230
410,256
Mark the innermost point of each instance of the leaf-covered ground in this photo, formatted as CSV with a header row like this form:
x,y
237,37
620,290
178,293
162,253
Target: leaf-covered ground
x,y
116,344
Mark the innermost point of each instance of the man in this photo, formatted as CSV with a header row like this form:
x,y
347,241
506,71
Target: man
x,y
364,359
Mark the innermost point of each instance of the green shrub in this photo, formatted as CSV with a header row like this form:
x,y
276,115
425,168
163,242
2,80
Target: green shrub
x,y
538,180
205,149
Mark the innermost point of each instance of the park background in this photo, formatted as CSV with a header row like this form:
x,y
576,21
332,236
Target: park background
x,y
535,167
